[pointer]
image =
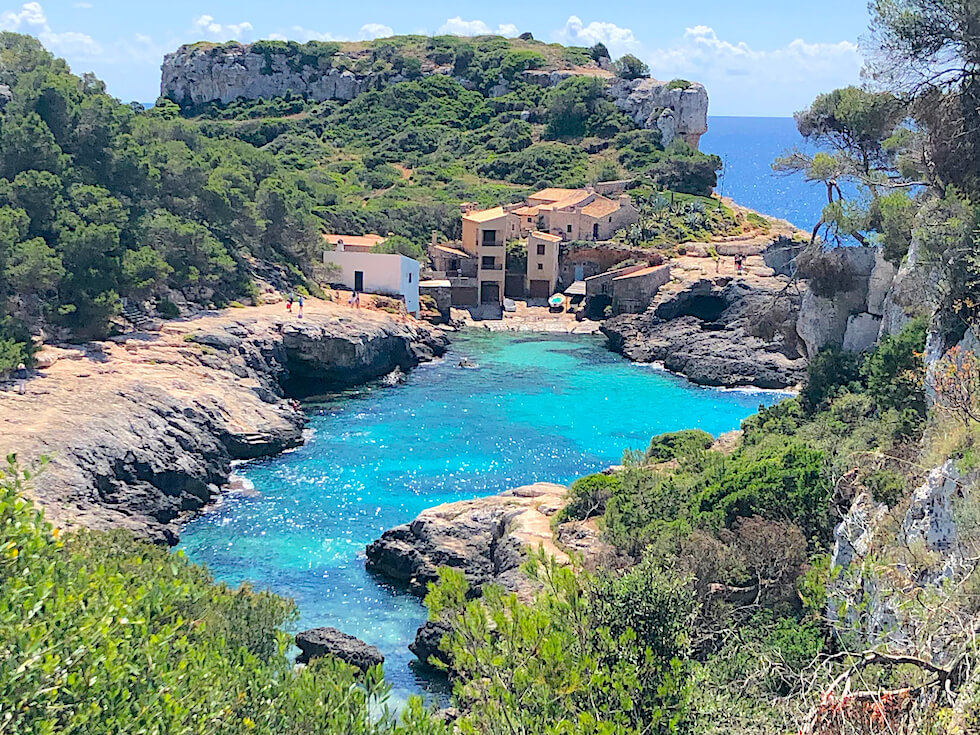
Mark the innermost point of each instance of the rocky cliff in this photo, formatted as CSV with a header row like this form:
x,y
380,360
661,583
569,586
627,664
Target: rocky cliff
x,y
201,73
718,329
142,431
675,110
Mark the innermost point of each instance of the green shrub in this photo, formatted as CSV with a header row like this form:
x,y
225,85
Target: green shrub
x,y
587,496
679,84
167,309
678,444
100,633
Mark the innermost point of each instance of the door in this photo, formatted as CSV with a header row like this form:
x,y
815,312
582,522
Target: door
x,y
540,289
595,231
358,281
579,273
489,292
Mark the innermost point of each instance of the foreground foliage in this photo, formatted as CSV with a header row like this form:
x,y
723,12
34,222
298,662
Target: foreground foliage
x,y
103,634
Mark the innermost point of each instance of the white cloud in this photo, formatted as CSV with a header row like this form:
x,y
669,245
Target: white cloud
x,y
618,40
31,19
208,27
370,31
459,27
743,80
367,32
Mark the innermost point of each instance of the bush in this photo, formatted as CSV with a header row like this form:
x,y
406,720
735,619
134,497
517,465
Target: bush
x,y
678,444
829,371
630,67
587,497
100,633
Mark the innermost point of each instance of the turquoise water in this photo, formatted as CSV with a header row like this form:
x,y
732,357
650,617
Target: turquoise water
x,y
536,408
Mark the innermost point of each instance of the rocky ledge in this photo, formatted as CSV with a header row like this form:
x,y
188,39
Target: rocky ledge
x,y
485,538
142,431
719,330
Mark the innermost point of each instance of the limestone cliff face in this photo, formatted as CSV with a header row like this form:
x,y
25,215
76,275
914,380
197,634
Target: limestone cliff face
x,y
675,111
197,74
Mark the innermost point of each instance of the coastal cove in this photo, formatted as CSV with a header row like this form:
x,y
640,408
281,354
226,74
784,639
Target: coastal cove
x,y
536,408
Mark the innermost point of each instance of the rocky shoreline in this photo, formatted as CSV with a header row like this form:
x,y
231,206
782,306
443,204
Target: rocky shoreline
x,y
141,432
719,330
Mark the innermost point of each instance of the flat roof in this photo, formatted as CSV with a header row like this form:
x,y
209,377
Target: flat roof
x,y
643,272
576,289
435,283
368,240
485,215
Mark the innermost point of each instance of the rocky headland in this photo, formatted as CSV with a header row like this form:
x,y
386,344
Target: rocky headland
x,y
201,73
140,431
718,328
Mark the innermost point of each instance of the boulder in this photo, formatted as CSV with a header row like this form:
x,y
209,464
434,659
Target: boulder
x,y
319,642
879,283
427,639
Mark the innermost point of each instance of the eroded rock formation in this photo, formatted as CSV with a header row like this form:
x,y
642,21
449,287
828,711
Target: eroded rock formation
x,y
676,111
718,331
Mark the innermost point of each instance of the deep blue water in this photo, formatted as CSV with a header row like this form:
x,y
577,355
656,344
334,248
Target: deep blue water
x,y
536,408
747,146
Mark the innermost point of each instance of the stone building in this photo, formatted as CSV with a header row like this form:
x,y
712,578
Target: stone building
x,y
542,265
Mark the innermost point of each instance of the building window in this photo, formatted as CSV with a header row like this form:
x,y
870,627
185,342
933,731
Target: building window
x,y
489,237
610,219
454,265
487,261
568,229
540,266
540,249
409,277
529,220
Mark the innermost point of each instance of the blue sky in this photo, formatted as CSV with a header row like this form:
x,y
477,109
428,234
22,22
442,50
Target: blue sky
x,y
756,57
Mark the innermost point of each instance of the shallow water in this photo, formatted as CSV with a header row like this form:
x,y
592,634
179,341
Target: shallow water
x,y
537,408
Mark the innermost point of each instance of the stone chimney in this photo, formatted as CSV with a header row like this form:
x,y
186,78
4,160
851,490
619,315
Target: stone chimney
x,y
340,245
624,200
435,237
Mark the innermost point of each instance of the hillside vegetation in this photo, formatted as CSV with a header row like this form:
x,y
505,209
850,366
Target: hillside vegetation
x,y
100,200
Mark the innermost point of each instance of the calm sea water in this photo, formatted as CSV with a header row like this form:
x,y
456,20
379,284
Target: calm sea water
x,y
537,408
748,146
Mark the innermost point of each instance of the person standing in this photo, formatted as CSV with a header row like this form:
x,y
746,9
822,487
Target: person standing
x,y
300,304
20,375
289,303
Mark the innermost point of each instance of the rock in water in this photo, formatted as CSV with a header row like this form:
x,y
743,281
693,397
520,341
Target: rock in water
x,y
427,639
319,642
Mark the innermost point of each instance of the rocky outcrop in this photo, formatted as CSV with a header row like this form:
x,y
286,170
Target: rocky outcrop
x,y
928,550
332,642
676,111
485,538
717,331
846,302
142,431
200,73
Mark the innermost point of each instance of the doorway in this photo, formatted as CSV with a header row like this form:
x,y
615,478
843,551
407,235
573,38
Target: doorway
x,y
358,281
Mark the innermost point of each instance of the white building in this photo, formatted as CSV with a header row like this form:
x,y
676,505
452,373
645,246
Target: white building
x,y
380,273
